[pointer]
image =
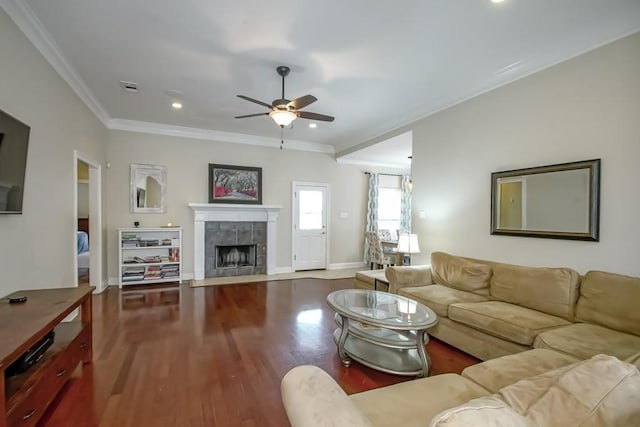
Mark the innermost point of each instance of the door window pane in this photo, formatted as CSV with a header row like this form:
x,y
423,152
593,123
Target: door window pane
x,y
310,210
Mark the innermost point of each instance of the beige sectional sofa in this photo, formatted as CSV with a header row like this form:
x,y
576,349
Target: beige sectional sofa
x,y
491,309
559,350
522,389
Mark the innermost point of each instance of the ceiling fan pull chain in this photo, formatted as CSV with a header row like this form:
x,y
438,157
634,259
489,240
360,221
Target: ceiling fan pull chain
x,y
281,137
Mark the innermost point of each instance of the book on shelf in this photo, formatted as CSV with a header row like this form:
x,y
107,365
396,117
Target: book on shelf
x,y
134,270
170,274
149,242
133,278
153,273
145,260
174,254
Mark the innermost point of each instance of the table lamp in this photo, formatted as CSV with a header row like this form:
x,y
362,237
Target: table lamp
x,y
408,244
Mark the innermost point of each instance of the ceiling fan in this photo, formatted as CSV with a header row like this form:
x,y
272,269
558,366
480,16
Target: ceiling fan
x,y
284,111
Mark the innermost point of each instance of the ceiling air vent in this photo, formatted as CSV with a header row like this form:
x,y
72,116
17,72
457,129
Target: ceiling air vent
x,y
129,86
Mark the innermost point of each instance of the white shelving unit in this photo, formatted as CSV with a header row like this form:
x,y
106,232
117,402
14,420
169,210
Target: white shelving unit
x,y
149,255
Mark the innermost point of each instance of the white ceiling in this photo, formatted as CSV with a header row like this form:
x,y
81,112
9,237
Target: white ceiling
x,y
375,66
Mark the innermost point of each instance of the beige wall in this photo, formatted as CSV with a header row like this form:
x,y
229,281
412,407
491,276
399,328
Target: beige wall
x,y
187,163
36,248
585,108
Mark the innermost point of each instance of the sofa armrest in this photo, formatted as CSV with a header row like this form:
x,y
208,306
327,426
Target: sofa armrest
x,y
408,276
312,398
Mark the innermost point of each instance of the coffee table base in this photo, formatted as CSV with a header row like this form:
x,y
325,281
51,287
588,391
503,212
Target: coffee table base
x,y
396,361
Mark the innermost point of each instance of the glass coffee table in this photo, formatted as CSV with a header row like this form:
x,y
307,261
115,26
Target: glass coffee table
x,y
383,331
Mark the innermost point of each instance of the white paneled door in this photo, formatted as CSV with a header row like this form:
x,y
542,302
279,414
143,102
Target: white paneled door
x,y
309,226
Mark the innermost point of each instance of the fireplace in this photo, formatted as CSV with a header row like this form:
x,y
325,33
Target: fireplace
x,y
233,225
235,256
234,248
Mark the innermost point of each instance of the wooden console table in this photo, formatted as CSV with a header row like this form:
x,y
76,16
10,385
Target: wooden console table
x,y
26,396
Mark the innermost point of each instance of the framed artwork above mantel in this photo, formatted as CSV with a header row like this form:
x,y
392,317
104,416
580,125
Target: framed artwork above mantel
x,y
235,184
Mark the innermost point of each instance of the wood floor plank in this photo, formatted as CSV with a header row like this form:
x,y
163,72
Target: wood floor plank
x,y
212,356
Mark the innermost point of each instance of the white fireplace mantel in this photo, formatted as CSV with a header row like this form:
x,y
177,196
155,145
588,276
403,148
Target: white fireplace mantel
x,y
203,212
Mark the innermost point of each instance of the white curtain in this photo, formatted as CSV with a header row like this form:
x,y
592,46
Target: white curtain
x,y
372,211
405,205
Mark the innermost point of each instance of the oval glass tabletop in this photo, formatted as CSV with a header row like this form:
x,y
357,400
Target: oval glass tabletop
x,y
382,309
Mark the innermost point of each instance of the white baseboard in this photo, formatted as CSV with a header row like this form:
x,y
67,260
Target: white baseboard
x,y
338,266
346,265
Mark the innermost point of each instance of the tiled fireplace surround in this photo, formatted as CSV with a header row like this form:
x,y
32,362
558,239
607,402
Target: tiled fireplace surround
x,y
235,225
234,248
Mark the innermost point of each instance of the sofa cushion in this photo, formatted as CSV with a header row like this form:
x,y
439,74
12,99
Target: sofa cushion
x,y
459,273
413,403
550,290
584,340
610,300
502,371
439,297
599,392
508,321
487,411
634,360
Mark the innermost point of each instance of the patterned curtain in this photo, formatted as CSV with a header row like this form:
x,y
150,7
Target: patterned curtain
x,y
372,212
405,205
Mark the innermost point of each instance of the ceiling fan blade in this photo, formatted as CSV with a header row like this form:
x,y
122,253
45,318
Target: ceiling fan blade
x,y
252,115
314,116
246,98
302,102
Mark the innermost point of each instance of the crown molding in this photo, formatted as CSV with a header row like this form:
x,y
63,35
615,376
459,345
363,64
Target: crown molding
x,y
26,20
24,17
396,166
214,135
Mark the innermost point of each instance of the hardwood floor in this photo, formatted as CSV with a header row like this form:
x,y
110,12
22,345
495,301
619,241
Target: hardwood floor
x,y
211,356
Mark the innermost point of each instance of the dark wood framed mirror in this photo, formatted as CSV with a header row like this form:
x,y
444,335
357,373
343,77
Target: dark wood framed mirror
x,y
556,201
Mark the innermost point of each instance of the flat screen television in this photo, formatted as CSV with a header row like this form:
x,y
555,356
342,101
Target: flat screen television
x,y
14,144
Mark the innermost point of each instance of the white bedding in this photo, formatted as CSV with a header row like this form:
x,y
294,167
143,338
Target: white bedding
x,y
83,260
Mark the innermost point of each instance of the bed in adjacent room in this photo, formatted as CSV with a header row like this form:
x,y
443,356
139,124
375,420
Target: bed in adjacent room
x,y
83,247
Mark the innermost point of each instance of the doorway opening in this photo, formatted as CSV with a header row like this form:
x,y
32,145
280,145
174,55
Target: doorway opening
x,y
87,217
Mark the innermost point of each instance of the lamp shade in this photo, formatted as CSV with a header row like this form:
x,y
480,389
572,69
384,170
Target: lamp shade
x,y
282,117
408,243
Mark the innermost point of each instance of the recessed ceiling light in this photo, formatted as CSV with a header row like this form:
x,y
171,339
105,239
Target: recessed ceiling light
x,y
177,105
497,1
313,125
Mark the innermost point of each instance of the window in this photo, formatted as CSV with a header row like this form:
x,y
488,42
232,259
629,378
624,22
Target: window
x,y
389,207
310,210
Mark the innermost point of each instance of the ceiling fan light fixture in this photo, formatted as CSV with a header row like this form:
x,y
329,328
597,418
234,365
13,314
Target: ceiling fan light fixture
x,y
282,118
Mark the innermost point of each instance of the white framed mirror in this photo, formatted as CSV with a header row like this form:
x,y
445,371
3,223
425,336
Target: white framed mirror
x,y
148,188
